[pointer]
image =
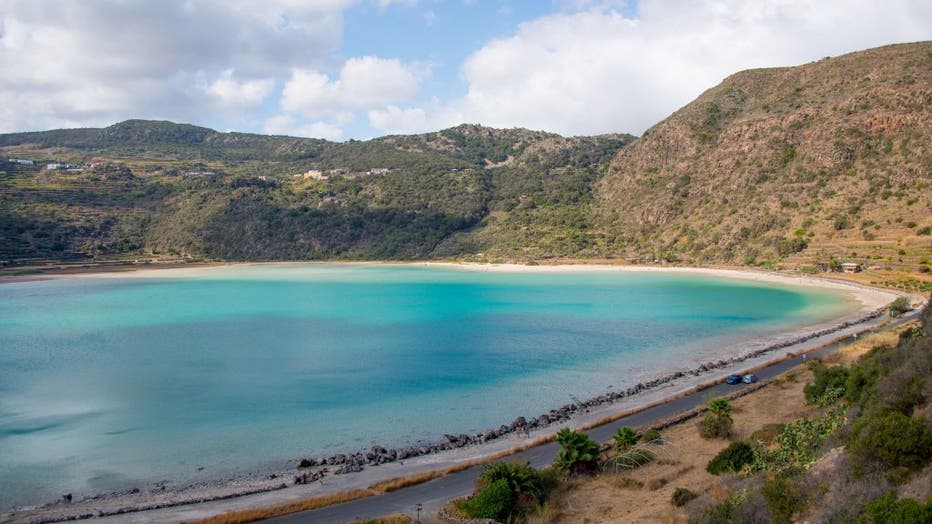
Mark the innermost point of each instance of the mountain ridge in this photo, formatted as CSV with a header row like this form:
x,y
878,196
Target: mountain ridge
x,y
809,148
798,166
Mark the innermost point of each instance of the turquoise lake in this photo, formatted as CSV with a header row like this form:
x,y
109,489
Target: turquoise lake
x,y
116,382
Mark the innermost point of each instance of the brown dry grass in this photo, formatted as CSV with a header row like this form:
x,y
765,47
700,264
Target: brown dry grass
x,y
253,515
644,494
388,519
758,414
853,351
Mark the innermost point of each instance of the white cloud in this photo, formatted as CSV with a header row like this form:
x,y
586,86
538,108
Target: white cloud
x,y
585,69
91,63
364,83
596,71
227,91
287,125
386,3
394,119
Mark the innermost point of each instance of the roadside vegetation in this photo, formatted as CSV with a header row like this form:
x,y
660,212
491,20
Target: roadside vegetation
x,y
865,455
861,452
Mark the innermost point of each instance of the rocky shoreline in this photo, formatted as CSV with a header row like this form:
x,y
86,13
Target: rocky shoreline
x,y
356,462
315,469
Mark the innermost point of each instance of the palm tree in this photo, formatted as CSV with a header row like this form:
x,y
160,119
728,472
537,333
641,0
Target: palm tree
x,y
625,438
578,453
524,481
717,421
720,407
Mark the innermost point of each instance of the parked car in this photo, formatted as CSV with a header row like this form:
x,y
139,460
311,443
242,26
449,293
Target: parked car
x,y
733,379
750,378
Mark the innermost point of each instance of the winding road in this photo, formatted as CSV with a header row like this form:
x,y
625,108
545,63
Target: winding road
x,y
433,494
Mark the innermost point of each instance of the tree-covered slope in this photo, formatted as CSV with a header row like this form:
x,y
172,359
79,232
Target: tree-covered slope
x,y
158,188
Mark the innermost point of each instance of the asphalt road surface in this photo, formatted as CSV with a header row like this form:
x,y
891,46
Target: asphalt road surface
x,y
433,494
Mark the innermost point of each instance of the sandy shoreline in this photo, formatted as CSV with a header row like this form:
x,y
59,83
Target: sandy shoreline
x,y
864,294
198,500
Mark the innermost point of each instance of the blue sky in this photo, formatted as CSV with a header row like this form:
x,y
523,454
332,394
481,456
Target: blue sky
x,y
341,69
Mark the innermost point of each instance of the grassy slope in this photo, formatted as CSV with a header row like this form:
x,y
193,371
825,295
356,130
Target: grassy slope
x,y
837,153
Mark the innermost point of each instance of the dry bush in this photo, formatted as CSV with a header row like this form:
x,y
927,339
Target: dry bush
x,y
623,482
657,483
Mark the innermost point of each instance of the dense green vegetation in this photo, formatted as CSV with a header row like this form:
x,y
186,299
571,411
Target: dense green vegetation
x,y
624,438
874,415
731,459
578,454
508,492
157,189
717,422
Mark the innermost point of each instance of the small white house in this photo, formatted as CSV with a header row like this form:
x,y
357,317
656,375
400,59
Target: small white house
x,y
850,267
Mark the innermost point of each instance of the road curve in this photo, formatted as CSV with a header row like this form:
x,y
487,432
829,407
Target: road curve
x,y
433,494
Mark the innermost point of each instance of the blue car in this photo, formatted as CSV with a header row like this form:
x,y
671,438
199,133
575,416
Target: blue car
x,y
750,378
733,379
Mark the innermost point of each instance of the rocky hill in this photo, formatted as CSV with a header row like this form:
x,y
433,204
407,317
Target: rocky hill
x,y
784,164
799,167
142,189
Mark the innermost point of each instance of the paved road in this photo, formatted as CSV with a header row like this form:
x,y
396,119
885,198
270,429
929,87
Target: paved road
x,y
432,495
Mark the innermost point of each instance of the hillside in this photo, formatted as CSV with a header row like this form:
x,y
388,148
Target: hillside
x,y
797,167
142,189
833,156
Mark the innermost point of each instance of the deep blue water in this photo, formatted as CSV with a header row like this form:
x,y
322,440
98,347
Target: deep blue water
x,y
109,383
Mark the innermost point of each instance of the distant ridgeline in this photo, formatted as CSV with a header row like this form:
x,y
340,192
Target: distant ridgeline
x,y
797,165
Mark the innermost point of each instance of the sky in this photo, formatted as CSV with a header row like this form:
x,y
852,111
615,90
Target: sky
x,y
356,69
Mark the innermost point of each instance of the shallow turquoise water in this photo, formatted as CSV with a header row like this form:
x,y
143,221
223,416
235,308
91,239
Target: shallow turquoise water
x,y
112,383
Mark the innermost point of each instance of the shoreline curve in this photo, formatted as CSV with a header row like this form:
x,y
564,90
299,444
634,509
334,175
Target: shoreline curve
x,y
450,450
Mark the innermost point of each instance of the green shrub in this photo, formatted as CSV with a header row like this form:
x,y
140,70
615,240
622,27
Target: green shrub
x,y
652,435
887,509
717,422
798,443
725,512
681,496
731,459
625,437
494,501
826,378
901,390
899,306
578,452
925,231
783,500
887,439
866,372
788,246
525,482
910,333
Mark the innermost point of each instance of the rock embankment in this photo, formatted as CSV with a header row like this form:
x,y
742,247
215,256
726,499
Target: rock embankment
x,y
356,462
